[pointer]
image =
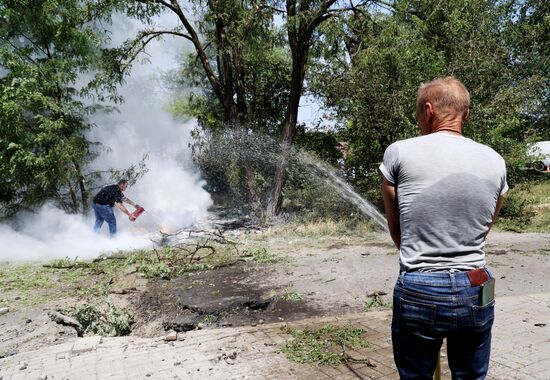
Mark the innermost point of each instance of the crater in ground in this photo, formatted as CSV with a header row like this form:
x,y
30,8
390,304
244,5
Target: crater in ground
x,y
229,296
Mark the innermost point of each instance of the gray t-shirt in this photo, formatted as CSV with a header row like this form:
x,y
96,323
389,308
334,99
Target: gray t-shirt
x,y
447,190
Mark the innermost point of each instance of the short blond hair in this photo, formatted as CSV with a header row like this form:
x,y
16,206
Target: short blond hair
x,y
447,95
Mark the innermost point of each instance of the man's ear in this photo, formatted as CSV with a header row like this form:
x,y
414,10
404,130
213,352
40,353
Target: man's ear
x,y
429,113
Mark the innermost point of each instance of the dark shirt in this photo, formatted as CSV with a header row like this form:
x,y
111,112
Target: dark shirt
x,y
109,195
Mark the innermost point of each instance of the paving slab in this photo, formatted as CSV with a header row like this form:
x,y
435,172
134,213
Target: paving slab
x,y
521,350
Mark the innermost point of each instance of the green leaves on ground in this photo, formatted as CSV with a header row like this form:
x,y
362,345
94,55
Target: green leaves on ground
x,y
261,255
105,321
292,296
324,346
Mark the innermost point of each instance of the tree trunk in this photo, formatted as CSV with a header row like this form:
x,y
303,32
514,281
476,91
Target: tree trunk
x,y
74,199
82,187
300,53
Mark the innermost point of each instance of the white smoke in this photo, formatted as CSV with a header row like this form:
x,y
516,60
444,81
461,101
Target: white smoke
x,y
171,191
51,233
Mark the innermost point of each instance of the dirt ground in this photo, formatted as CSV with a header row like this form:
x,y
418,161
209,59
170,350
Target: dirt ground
x,y
328,277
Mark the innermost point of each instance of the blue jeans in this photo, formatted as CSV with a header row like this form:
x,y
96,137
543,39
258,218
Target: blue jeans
x,y
104,213
428,307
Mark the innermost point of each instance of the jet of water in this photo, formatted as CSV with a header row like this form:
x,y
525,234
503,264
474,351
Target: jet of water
x,y
343,188
251,146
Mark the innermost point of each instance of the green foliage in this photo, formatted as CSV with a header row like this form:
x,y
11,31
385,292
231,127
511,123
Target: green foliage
x,y
112,322
292,296
261,256
237,164
172,261
322,346
154,270
208,319
311,197
252,62
44,46
526,208
375,301
517,210
373,91
370,66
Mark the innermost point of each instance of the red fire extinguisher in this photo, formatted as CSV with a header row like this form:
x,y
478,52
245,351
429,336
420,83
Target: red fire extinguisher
x,y
139,210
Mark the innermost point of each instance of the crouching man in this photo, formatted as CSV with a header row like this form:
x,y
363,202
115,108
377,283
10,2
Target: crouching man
x,y
442,193
104,201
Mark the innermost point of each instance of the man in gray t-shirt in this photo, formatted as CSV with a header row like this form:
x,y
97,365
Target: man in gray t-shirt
x,y
447,187
441,192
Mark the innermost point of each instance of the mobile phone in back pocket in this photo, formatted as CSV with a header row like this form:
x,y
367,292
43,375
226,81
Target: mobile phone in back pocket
x,y
487,292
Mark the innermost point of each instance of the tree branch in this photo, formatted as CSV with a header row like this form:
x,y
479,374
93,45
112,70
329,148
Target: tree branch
x,y
216,85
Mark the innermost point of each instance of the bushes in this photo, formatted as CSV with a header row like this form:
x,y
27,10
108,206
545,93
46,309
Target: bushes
x,y
526,208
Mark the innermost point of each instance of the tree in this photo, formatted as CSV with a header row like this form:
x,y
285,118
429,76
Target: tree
x,y
303,19
527,31
44,46
228,38
224,39
371,67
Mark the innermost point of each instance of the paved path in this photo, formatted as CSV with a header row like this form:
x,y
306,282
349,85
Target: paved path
x,y
521,350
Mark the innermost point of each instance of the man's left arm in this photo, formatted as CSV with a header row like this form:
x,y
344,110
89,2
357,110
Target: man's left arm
x,y
130,202
389,193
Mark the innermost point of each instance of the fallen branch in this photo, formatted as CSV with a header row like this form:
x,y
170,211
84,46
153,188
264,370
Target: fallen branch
x,y
377,294
57,317
348,360
66,266
112,257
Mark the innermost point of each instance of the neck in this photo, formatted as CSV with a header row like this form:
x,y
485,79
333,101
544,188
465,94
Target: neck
x,y
448,126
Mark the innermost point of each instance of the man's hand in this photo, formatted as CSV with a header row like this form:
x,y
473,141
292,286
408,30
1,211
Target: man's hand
x,y
137,206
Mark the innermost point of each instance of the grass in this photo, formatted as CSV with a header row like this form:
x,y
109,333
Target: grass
x,y
292,296
323,346
322,228
208,319
64,278
375,302
322,234
261,256
36,283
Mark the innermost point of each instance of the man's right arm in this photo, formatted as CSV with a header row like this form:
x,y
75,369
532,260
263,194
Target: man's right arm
x,y
121,207
389,193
